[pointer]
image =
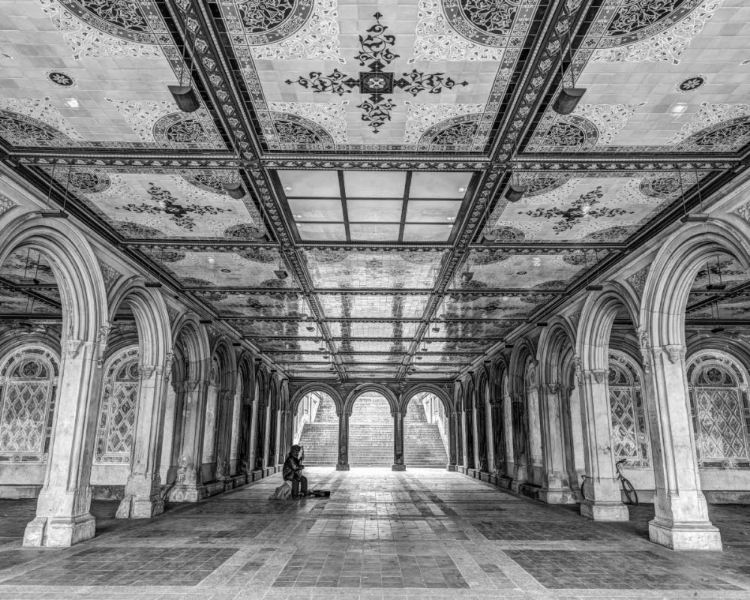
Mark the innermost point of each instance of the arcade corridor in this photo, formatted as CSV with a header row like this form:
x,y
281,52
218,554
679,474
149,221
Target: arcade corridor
x,y
422,533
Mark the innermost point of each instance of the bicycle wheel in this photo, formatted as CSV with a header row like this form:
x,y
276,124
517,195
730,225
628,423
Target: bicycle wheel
x,y
630,492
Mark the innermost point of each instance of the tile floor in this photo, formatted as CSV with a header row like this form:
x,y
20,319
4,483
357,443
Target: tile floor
x,y
418,535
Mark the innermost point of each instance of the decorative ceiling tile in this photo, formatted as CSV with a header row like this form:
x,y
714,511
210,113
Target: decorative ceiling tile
x,y
331,116
331,268
396,329
719,127
256,305
162,124
30,122
373,306
394,346
154,205
465,306
27,265
372,358
420,118
475,330
720,270
298,345
263,329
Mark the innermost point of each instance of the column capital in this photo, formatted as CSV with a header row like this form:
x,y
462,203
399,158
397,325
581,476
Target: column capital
x,y
594,375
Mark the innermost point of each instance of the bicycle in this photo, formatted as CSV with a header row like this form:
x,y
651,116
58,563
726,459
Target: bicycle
x,y
627,487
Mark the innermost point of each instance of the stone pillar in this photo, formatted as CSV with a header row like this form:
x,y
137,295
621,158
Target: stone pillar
x,y
189,486
171,432
224,412
681,516
535,459
510,465
488,435
452,441
343,462
277,447
143,489
555,488
605,501
464,441
267,437
476,425
398,441
253,439
520,447
62,511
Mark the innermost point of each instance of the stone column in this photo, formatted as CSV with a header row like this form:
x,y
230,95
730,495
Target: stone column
x,y
62,512
171,432
605,501
189,486
510,465
143,489
452,441
267,437
520,447
277,438
681,516
555,488
343,462
535,458
224,434
488,435
252,440
464,441
398,441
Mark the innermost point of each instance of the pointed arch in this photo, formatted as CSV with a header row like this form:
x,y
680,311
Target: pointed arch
x,y
374,388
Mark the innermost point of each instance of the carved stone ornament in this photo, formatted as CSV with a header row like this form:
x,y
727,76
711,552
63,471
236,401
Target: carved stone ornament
x,y
578,367
102,341
554,388
168,365
146,371
74,347
598,375
675,352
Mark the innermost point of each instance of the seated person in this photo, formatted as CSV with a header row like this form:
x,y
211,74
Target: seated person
x,y
293,471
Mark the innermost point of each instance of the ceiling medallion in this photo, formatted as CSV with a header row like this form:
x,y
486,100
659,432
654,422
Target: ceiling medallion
x,y
61,79
375,54
692,83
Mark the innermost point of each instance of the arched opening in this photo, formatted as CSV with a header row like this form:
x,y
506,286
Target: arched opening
x,y
467,405
371,432
262,426
630,438
316,427
426,432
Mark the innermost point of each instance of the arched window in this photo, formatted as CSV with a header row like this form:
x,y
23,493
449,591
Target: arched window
x,y
29,378
629,426
114,437
721,410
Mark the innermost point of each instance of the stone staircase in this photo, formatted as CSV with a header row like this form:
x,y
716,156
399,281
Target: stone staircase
x,y
423,446
371,437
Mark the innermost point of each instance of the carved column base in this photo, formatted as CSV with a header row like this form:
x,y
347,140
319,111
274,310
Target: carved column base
x,y
342,467
604,511
188,493
451,468
685,536
59,532
140,507
557,496
398,468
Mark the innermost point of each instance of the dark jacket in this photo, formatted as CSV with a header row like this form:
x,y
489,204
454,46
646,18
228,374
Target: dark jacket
x,y
292,468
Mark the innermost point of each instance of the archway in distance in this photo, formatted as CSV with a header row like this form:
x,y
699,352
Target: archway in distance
x,y
316,427
371,432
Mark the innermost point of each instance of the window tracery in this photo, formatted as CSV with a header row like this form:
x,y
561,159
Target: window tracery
x,y
627,412
29,377
116,423
718,387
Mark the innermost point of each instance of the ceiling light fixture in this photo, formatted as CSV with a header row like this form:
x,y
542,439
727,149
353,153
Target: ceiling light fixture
x,y
73,102
678,109
235,190
184,95
569,96
288,188
462,189
516,189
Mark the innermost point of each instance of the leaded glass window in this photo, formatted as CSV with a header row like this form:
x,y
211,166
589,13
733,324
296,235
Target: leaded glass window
x,y
629,428
116,430
29,378
720,408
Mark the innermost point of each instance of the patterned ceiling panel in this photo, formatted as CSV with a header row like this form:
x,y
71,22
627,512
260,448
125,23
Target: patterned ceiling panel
x,y
302,345
26,266
373,306
248,267
720,270
680,86
439,346
94,73
397,329
420,368
371,358
469,306
338,75
495,269
590,209
255,305
158,206
253,328
448,359
724,309
331,268
12,302
371,368
287,357
471,330
360,346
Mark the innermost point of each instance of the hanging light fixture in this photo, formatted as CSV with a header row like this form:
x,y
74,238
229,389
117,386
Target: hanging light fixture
x,y
569,97
281,272
516,189
234,189
184,95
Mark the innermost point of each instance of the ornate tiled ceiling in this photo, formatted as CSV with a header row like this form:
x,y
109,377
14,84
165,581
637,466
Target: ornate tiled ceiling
x,y
373,144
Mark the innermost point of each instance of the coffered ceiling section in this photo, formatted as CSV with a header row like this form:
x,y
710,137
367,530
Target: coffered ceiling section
x,y
667,76
414,75
371,206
